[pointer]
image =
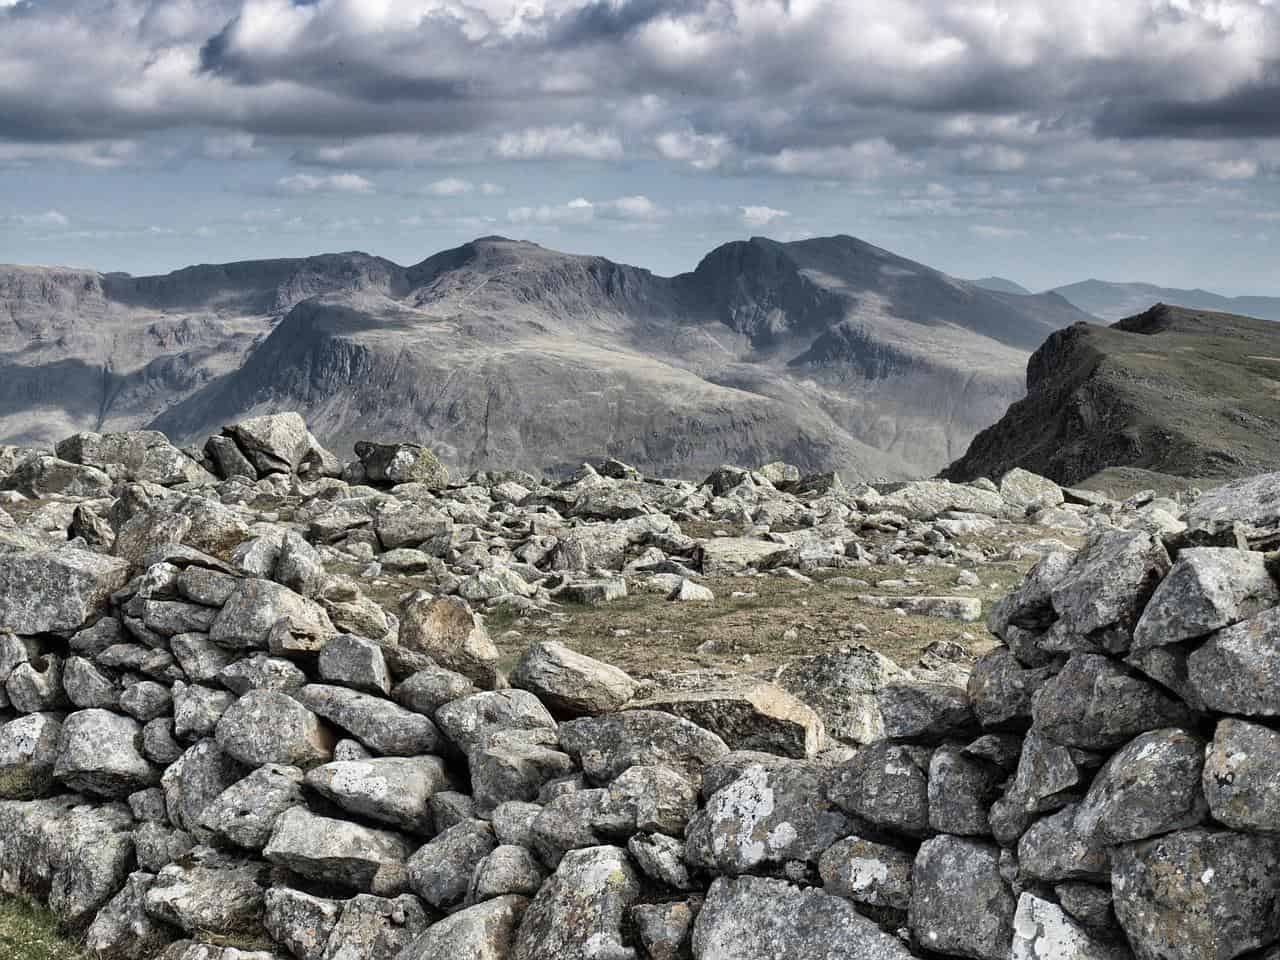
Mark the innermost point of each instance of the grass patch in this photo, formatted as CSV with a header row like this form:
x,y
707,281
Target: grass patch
x,y
29,932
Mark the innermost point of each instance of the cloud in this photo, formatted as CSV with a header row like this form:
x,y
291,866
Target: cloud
x,y
700,151
450,187
49,218
988,232
492,189
760,216
333,183
575,141
1121,237
635,209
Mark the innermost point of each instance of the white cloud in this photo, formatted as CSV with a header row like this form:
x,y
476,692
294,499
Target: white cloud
x,y
49,218
989,232
578,210
576,141
759,216
1121,237
700,151
450,187
864,160
638,207
333,183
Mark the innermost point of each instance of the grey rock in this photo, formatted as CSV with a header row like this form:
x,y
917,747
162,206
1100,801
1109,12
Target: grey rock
x,y
886,785
914,710
43,476
1104,592
264,726
146,700
1094,704
1041,929
843,689
440,871
88,686
36,685
961,790
256,606
661,858
1029,606
666,929
512,821
56,591
194,781
1151,786
100,753
651,799
767,817
1237,670
371,927
300,922
275,443
446,630
580,911
299,566
246,811
471,721
341,853
157,845
261,672
149,806
197,709
1087,903
395,463
225,897
379,724
747,918
571,683
1197,894
514,765
606,746
123,930
209,587
960,903
393,790
158,743
1207,589
1053,849
201,659
485,931
429,689
449,807
1242,776
1253,502
868,873
28,753
357,663
1025,489
1000,689
506,870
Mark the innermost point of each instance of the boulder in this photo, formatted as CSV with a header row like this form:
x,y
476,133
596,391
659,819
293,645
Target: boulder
x,y
1027,490
100,753
1253,503
1237,670
221,898
768,817
393,790
265,726
440,871
1207,589
580,911
868,873
1100,598
395,463
257,606
1242,776
887,785
194,781
960,902
275,443
606,746
133,456
666,929
961,790
430,688
570,682
339,852
507,869
843,689
926,711
28,754
747,714
446,630
246,811
749,918
57,591
1197,894
486,931
123,930
1042,930
44,476
379,724
1053,850
357,663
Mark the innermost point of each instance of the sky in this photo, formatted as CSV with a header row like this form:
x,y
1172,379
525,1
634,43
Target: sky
x,y
1041,140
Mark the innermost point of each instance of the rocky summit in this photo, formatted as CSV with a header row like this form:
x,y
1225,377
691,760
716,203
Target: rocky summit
x,y
259,702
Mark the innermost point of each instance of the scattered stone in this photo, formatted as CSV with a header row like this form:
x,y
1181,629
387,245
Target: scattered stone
x,y
571,683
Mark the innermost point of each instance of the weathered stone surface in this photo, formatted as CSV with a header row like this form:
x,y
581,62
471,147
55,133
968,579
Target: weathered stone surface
x,y
1253,502
28,753
339,852
746,714
915,710
194,781
1151,786
1025,489
1105,590
868,873
514,765
886,785
372,927
1094,704
507,869
446,630
197,709
123,930
486,931
960,903
394,463
571,683
221,898
1042,931
135,455
56,591
356,663
36,685
961,790
275,443
429,689
43,476
730,556
1207,589
1242,776
651,799
261,672
300,922
747,918
394,790
264,726
1000,689
606,746
100,753
379,724
964,609
471,721
579,912
1197,894
440,871
256,606
661,858
1053,850
843,689
246,811
666,929
767,817
1237,670
1029,606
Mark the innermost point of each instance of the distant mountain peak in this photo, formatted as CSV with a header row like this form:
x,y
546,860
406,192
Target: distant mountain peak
x,y
1001,285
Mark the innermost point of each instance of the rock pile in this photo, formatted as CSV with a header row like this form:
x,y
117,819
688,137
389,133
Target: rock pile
x,y
217,746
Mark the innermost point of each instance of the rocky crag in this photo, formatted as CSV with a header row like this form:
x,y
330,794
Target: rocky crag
x,y
217,747
1175,391
829,353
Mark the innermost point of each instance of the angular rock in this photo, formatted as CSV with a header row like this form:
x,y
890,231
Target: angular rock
x,y
580,911
379,724
1053,850
395,463
300,922
661,858
376,927
514,765
194,781
666,929
887,785
56,591
446,630
224,898
429,689
257,606
1000,689
341,853
28,753
506,870
960,903
868,873
394,790
123,930
961,790
843,689
264,726
915,710
1025,489
571,683
1253,502
1207,589
44,476
606,746
1041,929
1237,670
485,931
1101,596
246,811
275,443
440,871
100,753
1242,776
356,663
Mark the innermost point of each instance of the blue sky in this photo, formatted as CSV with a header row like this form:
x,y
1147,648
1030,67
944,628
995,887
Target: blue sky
x,y
1042,141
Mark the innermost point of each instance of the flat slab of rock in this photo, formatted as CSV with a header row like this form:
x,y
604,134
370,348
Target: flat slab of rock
x,y
393,790
57,591
964,609
570,682
747,714
606,746
730,556
379,724
339,852
749,918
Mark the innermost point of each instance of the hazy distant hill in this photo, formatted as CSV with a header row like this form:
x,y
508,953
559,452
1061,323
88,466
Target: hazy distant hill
x,y
831,352
1113,301
1001,285
1184,392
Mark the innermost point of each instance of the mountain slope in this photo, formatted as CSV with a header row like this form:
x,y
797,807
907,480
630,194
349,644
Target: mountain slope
x,y
832,353
1114,301
1001,285
1178,391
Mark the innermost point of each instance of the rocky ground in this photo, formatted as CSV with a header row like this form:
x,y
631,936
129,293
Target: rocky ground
x,y
259,703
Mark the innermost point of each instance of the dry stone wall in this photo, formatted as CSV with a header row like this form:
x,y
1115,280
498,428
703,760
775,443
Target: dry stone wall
x,y
214,748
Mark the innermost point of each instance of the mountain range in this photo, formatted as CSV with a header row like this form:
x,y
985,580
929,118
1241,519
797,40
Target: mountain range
x,y
831,353
1115,301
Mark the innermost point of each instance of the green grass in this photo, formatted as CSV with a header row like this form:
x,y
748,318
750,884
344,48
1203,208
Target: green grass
x,y
31,933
